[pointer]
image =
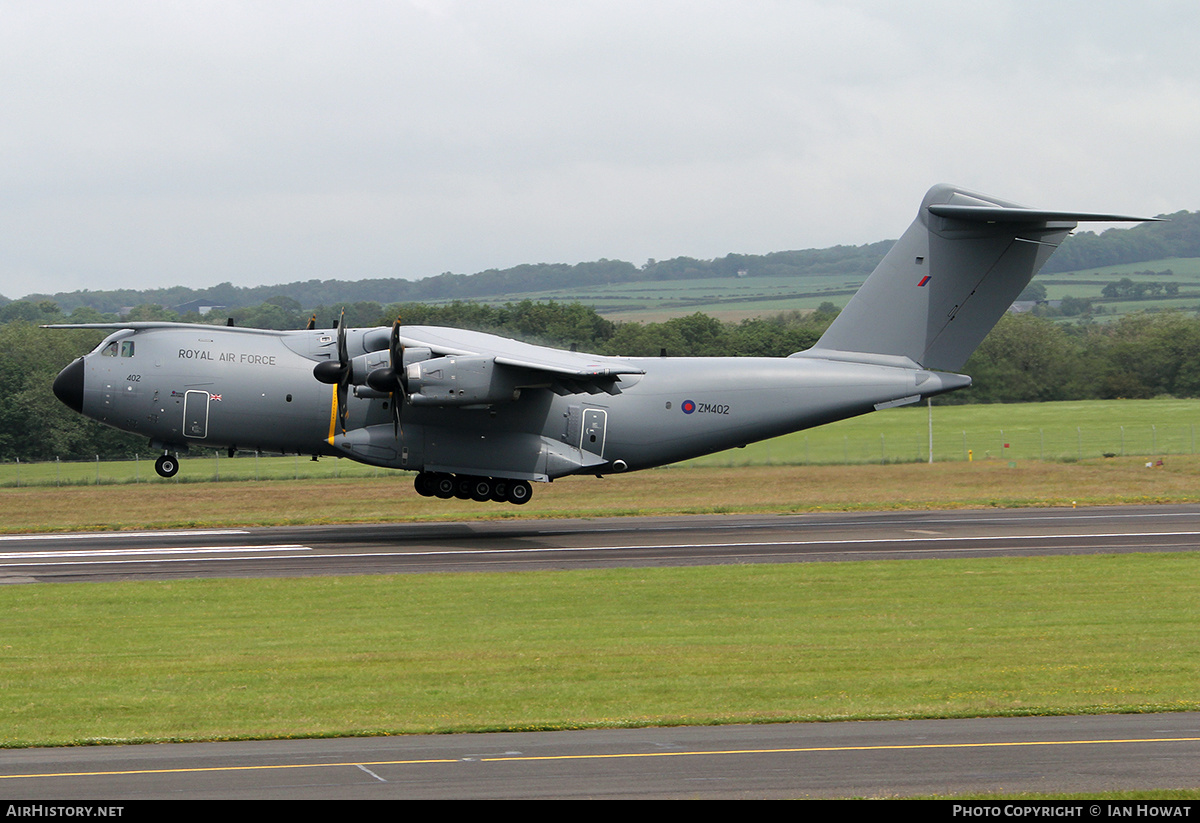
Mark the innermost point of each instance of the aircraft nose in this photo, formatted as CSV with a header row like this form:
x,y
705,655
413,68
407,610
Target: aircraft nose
x,y
68,386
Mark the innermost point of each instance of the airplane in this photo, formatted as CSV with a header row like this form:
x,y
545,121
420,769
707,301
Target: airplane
x,y
480,416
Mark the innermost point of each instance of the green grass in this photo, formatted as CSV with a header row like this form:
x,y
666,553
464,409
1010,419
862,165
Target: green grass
x,y
198,466
1071,430
671,491
1074,430
215,659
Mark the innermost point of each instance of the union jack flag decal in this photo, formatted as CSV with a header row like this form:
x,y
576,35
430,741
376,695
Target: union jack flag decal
x,y
216,397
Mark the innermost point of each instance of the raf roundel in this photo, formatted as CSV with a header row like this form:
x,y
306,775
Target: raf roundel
x,y
688,406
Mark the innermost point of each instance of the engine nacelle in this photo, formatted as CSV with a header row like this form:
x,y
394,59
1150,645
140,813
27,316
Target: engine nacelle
x,y
374,369
466,380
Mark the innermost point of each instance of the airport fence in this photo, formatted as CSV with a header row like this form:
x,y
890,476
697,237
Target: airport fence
x,y
1014,443
195,466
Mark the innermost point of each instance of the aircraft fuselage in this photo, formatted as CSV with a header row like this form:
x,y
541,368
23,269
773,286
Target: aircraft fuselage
x,y
219,387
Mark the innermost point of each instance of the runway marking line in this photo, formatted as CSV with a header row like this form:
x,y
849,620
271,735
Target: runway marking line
x,y
873,540
619,755
67,553
109,535
71,558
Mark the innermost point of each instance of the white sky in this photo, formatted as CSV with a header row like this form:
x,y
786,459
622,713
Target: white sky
x,y
147,144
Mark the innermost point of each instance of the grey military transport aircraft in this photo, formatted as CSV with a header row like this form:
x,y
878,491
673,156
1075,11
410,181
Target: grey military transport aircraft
x,y
480,416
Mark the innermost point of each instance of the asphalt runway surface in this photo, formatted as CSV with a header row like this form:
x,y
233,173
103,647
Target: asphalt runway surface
x,y
862,759
601,542
790,760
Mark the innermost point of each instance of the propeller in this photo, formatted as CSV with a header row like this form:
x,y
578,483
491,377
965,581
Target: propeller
x,y
337,372
393,379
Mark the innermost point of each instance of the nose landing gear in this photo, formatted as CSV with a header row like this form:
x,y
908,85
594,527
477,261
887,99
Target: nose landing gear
x,y
167,465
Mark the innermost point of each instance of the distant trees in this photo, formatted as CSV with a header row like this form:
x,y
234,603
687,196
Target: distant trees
x,y
1128,289
1142,355
550,323
1026,357
1179,236
33,424
1034,291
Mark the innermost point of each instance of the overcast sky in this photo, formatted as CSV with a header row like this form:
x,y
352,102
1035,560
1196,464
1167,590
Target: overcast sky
x,y
147,144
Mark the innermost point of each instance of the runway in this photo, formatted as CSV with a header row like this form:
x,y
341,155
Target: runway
x,y
862,759
566,544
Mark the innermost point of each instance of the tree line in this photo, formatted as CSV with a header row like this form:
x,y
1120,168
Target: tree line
x,y
1025,358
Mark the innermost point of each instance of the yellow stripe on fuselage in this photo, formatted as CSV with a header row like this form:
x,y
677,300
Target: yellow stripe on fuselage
x,y
332,415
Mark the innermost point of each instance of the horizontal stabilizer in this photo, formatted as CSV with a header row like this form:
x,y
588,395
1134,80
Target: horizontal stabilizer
x,y
995,214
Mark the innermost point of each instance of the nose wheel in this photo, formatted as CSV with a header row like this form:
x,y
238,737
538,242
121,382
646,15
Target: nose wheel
x,y
167,465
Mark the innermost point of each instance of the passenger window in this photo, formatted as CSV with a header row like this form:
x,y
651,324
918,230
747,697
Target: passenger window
x,y
110,350
127,348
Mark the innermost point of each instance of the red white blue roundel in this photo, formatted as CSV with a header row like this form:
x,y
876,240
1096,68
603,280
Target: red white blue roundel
x,y
688,406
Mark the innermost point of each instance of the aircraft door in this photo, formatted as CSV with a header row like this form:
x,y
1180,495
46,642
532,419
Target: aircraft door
x,y
195,414
595,422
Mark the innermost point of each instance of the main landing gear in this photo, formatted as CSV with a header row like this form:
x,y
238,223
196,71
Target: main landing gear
x,y
167,465
466,487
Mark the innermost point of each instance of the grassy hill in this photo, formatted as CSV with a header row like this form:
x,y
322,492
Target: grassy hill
x,y
1160,260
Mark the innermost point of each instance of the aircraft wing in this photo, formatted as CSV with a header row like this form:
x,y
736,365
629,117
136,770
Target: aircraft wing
x,y
148,325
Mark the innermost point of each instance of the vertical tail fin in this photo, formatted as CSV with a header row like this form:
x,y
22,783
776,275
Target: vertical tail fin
x,y
948,280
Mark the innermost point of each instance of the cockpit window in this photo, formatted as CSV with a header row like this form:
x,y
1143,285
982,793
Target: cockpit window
x,y
127,348
110,350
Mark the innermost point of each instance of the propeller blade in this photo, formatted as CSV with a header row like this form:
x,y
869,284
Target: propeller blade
x,y
338,372
343,386
399,393
343,354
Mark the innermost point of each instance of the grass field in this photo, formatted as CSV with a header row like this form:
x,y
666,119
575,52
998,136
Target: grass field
x,y
219,659
1071,430
1066,431
681,490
